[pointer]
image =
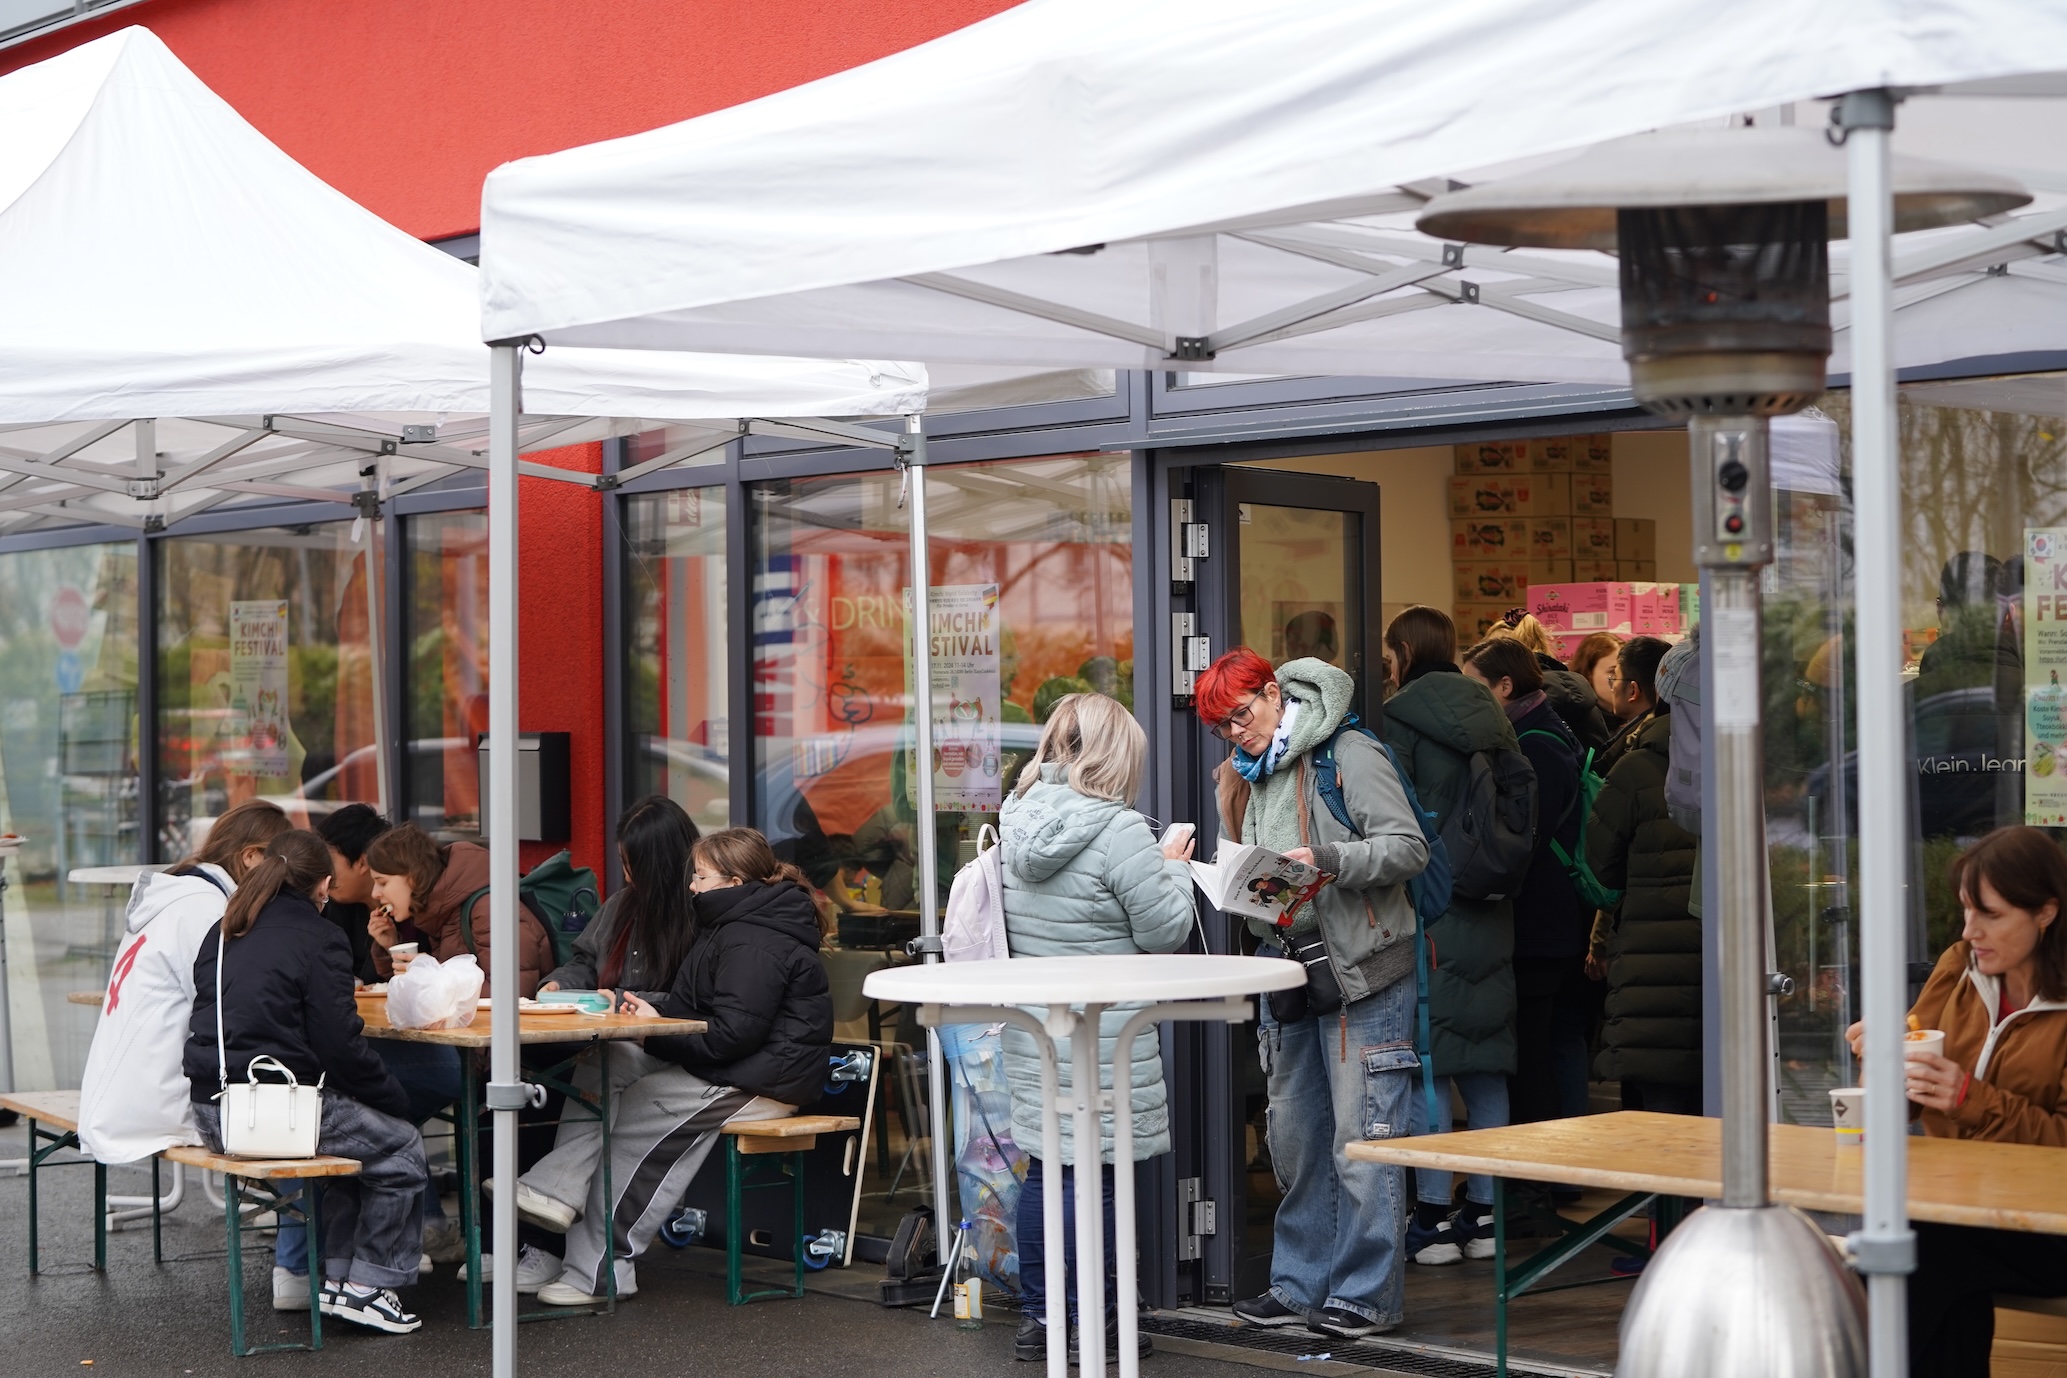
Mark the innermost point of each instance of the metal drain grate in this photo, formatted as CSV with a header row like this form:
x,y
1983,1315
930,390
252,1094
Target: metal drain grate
x,y
1377,1354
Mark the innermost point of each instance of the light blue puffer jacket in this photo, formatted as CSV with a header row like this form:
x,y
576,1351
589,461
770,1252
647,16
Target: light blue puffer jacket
x,y
1083,877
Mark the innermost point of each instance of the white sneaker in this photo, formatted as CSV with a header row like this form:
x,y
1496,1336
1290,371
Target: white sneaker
x,y
378,1310
443,1241
570,1294
290,1290
423,1266
535,1269
540,1209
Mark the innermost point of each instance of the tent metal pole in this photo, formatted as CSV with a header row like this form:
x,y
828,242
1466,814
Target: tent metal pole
x,y
505,1093
1885,1246
926,833
375,660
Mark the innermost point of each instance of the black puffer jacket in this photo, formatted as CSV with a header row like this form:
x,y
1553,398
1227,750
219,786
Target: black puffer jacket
x,y
1549,920
754,974
287,995
1653,1028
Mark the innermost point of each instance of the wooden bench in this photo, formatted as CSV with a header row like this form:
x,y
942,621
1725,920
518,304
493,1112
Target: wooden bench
x,y
788,1140
53,1118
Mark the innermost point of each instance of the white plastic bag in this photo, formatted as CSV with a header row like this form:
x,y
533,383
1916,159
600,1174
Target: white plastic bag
x,y
436,995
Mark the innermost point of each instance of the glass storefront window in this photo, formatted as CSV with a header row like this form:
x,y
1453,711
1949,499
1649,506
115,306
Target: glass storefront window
x,y
68,734
265,682
676,651
1031,582
445,636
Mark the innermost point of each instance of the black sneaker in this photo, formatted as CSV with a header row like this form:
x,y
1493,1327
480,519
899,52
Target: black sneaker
x,y
1031,1343
1474,1226
1434,1246
327,1296
379,1310
1342,1323
1267,1310
1143,1346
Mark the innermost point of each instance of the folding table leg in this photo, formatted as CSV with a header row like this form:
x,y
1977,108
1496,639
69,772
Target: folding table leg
x,y
232,1208
312,1207
735,1215
796,1216
157,1236
1500,1276
466,1150
35,1167
100,1216
609,1194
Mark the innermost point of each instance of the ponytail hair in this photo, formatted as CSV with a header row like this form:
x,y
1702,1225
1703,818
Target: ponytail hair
x,y
744,854
253,823
296,860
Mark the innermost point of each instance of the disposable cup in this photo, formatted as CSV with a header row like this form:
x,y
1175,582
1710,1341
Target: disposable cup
x,y
1848,1113
1919,1041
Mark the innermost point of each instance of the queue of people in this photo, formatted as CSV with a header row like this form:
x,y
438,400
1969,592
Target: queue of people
x,y
248,953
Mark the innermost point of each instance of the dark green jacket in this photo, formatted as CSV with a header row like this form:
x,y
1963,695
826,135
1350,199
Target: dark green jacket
x,y
1434,725
1653,1028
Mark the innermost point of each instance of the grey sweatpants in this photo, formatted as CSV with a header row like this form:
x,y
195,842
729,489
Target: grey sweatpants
x,y
372,1223
663,1123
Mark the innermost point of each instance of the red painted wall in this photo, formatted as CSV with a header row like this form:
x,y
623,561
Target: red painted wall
x,y
405,105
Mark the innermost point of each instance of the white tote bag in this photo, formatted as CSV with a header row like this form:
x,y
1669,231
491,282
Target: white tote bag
x,y
263,1119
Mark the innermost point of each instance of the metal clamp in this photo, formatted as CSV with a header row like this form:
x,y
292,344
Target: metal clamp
x,y
925,945
1892,1254
1779,983
514,1095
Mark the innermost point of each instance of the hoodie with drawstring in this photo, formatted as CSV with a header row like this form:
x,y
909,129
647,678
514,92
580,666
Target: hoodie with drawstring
x,y
2016,1063
134,1100
1085,877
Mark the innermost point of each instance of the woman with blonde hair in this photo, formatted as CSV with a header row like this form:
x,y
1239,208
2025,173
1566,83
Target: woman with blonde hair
x,y
1084,875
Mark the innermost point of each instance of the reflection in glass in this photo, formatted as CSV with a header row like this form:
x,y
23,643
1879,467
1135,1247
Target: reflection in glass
x,y
1032,589
445,706
265,683
68,776
675,637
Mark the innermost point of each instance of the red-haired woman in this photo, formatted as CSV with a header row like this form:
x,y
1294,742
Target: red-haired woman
x,y
1339,1054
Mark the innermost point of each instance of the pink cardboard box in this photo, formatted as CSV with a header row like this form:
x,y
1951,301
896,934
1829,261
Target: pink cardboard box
x,y
1595,607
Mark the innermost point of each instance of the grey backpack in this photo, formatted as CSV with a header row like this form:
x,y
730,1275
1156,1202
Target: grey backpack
x,y
1679,684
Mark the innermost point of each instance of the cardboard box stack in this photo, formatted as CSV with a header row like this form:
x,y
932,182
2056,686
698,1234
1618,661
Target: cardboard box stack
x,y
1533,523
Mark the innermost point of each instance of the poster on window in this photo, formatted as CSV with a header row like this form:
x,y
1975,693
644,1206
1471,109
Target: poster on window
x,y
2045,660
258,686
967,709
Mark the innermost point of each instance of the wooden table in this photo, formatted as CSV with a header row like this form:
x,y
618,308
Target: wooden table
x,y
575,1032
1677,1159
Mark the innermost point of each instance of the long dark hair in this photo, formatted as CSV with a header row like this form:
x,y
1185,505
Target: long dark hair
x,y
654,837
2026,868
296,860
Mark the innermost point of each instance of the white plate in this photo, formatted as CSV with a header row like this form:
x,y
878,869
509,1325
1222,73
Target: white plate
x,y
364,991
533,1007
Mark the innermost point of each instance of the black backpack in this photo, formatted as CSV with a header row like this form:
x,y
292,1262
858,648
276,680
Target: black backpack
x,y
1491,835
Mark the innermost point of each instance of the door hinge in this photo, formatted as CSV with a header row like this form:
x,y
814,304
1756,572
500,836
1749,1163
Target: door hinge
x,y
1189,654
1188,542
1188,1193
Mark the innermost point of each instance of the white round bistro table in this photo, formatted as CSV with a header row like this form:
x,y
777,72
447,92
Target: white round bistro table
x,y
1075,991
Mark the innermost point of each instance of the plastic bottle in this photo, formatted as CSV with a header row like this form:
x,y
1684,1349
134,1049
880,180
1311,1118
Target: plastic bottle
x,y
968,1283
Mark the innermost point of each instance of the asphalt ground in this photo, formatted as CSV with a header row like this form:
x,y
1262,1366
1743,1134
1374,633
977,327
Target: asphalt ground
x,y
146,1319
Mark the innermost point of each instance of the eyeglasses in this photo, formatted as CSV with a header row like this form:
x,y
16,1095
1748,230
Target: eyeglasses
x,y
1235,721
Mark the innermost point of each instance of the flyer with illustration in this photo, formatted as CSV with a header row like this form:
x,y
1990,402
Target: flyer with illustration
x,y
258,685
2045,659
968,767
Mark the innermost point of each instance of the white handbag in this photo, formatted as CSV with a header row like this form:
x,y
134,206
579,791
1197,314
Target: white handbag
x,y
263,1119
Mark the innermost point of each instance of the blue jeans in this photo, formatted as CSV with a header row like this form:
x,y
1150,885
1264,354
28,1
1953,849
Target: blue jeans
x,y
1333,1079
1033,1239
429,1074
1485,1105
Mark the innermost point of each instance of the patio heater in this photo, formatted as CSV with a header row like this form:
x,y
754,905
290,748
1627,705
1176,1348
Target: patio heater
x,y
1723,240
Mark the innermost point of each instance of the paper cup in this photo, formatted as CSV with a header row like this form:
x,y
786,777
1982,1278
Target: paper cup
x,y
1918,1041
1848,1113
402,950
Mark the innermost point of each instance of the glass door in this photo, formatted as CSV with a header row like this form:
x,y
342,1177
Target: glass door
x,y
1293,573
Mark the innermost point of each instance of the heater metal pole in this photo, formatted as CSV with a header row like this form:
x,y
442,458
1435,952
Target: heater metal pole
x,y
1884,1246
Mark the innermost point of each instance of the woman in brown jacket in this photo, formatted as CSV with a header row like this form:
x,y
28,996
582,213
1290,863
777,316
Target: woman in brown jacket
x,y
2000,996
425,886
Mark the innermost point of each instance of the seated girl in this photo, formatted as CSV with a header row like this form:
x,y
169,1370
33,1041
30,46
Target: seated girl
x,y
436,889
753,974
283,974
1999,994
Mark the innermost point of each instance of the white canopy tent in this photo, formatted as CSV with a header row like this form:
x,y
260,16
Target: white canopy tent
x,y
1223,186
193,321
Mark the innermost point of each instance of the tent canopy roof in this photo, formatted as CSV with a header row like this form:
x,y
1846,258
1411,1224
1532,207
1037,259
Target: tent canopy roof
x,y
1212,184
159,258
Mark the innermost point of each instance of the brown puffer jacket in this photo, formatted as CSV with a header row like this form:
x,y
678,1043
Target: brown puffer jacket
x,y
444,937
2018,1094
